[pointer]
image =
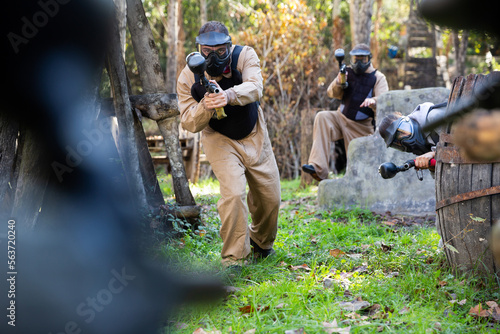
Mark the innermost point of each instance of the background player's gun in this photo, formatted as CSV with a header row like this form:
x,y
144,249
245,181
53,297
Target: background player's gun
x,y
197,65
340,55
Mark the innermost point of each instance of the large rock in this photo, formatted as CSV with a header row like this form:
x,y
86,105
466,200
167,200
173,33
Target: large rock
x,y
362,186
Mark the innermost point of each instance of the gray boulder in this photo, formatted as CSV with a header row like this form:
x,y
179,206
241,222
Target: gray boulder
x,y
362,186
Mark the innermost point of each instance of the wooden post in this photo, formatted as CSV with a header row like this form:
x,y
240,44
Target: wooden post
x,y
128,150
152,80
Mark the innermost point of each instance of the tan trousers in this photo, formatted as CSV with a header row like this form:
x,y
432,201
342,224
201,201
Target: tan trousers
x,y
236,163
330,126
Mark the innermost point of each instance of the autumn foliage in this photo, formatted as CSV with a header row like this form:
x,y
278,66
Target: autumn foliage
x,y
294,65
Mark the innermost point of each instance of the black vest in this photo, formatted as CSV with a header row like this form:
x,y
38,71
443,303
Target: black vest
x,y
240,120
360,87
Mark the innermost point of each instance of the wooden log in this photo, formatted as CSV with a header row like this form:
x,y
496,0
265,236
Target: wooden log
x,y
187,211
153,106
152,80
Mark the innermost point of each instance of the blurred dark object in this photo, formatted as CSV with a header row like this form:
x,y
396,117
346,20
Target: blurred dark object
x,y
462,14
81,267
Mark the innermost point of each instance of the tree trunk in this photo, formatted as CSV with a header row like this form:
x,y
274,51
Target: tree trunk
x,y
181,39
152,81
460,45
374,45
203,11
129,152
173,30
121,13
360,13
338,33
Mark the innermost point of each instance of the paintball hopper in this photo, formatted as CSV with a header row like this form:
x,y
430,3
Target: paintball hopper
x,y
340,55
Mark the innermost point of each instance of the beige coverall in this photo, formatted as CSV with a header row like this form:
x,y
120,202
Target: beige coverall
x,y
330,126
236,162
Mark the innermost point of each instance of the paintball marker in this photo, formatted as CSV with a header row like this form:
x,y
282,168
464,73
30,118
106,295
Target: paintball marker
x,y
339,55
197,65
388,170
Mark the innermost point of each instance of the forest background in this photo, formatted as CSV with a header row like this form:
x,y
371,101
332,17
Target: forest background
x,y
295,41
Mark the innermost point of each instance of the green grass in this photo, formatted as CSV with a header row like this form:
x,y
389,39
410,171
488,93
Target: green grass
x,y
398,270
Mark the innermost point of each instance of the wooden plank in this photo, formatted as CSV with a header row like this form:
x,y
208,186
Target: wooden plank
x,y
495,202
450,215
481,207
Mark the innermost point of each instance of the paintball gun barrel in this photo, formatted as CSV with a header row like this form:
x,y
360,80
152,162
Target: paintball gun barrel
x,y
197,65
388,170
340,55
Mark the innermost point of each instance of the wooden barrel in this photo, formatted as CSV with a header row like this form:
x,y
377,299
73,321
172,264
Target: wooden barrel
x,y
467,195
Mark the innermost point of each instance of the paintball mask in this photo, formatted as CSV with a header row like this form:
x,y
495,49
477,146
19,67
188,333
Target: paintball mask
x,y
218,59
360,66
406,135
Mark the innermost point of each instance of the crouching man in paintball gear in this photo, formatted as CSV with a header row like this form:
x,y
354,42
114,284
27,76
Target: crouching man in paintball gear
x,y
355,116
235,141
404,133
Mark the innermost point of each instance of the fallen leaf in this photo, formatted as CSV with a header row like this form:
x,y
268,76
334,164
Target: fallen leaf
x,y
354,305
373,309
437,326
199,331
295,331
250,331
443,283
280,306
462,302
334,328
302,266
361,269
251,309
336,252
389,223
404,310
181,325
327,282
355,256
393,274
231,289
385,248
492,304
476,310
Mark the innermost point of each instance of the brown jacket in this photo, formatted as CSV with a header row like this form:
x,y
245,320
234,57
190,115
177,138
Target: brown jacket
x,y
194,116
381,86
